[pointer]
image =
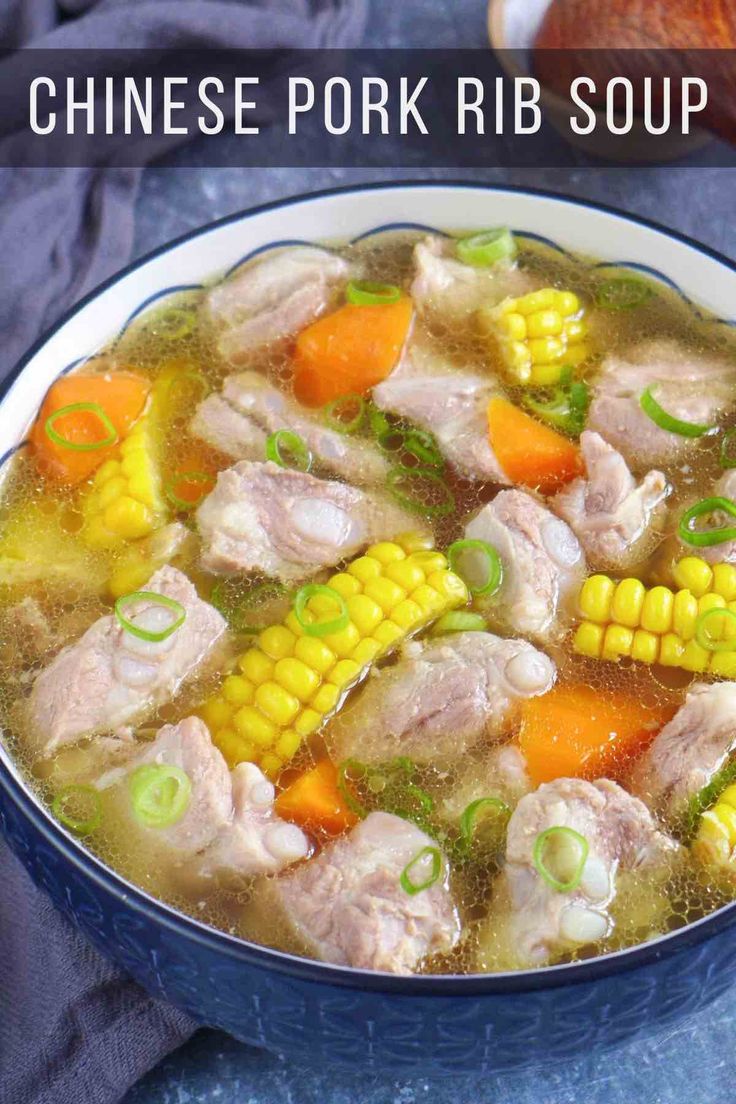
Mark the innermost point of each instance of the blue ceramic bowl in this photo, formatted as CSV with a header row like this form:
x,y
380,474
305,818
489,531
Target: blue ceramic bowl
x,y
313,1012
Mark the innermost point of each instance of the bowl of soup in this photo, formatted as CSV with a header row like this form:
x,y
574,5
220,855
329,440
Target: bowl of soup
x,y
368,625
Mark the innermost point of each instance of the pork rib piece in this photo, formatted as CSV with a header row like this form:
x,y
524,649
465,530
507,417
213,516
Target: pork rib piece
x,y
350,908
543,563
438,700
542,922
288,524
110,678
449,402
229,825
454,290
615,518
690,750
272,297
249,408
692,387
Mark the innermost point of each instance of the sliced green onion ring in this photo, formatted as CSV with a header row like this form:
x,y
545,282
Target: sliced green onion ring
x,y
351,770
706,797
408,884
568,837
459,621
320,628
475,809
623,293
156,600
334,413
566,409
368,293
197,477
493,568
728,449
186,377
706,538
703,633
174,323
377,420
421,444
284,441
485,249
660,417
66,808
159,794
81,446
401,473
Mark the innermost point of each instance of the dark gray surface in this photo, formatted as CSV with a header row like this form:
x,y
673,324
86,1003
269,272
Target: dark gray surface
x,y
695,1063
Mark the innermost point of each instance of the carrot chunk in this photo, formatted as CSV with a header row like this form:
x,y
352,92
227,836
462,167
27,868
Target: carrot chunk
x,y
314,801
120,396
529,452
350,350
574,731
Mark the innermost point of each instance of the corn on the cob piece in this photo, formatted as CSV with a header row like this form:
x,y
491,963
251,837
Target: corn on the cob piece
x,y
289,683
126,501
657,624
715,839
539,334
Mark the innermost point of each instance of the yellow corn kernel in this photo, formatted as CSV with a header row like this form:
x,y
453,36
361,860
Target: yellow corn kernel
x,y
724,580
546,375
233,747
237,690
710,602
364,613
277,642
694,574
543,299
387,552
128,518
671,650
129,577
407,614
726,817
365,652
326,698
728,797
293,624
694,657
256,666
110,490
107,471
656,610
287,745
545,349
574,330
325,607
343,642
271,765
627,602
250,723
406,574
307,722
588,640
429,560
543,323
449,585
385,593
576,353
514,326
723,664
645,646
415,540
297,677
315,653
617,642
216,713
346,585
387,633
364,569
567,303
277,703
684,614
344,673
595,598
428,599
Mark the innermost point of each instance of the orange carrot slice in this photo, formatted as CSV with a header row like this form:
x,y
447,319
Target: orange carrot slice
x,y
529,452
350,350
314,801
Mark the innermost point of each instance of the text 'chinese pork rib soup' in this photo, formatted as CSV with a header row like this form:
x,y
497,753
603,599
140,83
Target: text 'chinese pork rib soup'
x,y
378,603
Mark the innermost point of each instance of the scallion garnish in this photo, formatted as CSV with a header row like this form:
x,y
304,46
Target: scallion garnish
x,y
78,808
559,857
487,248
153,600
475,812
174,323
566,408
288,450
711,626
660,417
159,794
415,867
368,293
623,293
728,446
377,420
427,491
706,538
320,628
188,478
345,414
459,621
416,442
483,575
351,771
188,377
81,446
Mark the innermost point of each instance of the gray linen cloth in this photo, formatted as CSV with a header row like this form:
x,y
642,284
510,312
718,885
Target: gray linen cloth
x,y
73,1030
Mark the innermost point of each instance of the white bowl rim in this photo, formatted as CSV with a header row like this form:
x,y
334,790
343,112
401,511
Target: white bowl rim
x,y
256,955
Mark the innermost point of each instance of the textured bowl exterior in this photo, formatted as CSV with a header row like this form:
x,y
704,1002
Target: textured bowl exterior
x,y
369,1022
